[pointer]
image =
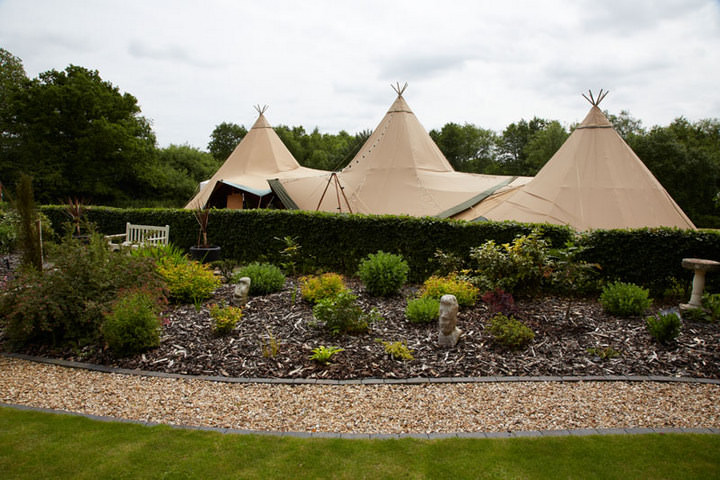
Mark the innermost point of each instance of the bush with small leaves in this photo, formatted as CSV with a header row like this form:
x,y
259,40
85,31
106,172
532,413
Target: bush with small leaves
x,y
314,288
510,332
624,299
383,274
603,353
422,310
523,266
189,282
323,354
67,303
465,292
133,325
342,314
664,327
162,254
225,318
264,278
398,350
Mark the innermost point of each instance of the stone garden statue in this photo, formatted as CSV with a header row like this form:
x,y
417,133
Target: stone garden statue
x,y
240,295
448,333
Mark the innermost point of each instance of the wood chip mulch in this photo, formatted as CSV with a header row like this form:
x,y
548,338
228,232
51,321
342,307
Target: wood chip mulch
x,y
571,345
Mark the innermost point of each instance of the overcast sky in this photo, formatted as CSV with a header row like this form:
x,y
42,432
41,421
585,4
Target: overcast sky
x,y
329,64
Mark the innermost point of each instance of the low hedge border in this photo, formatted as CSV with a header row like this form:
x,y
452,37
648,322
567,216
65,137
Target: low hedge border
x,y
337,242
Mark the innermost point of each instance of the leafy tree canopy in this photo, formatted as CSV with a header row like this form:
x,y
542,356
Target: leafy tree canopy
x,y
78,136
224,138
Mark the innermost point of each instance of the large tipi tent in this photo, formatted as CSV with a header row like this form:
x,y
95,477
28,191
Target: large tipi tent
x,y
594,181
399,170
242,180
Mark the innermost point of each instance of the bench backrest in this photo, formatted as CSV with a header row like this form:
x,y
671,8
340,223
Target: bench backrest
x,y
147,234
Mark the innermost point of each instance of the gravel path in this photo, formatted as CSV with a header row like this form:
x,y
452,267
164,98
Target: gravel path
x,y
374,409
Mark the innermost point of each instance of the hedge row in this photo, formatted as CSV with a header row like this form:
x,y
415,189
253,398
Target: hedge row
x,y
338,242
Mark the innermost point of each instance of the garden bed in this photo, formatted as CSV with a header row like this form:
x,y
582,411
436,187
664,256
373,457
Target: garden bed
x,y
586,342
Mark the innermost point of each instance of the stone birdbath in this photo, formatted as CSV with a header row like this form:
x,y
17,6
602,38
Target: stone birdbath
x,y
700,267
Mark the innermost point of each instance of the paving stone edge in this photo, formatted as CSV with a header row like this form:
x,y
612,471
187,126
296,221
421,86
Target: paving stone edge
x,y
364,381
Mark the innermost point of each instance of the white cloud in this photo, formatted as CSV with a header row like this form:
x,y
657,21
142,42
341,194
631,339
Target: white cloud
x,y
193,65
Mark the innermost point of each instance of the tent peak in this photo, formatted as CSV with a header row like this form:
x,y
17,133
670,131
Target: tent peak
x,y
596,101
260,109
398,89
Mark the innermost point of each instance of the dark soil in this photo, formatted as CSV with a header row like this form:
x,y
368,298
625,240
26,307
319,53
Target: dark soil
x,y
571,345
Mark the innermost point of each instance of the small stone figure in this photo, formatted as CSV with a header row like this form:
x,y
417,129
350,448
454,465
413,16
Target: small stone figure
x,y
448,333
240,295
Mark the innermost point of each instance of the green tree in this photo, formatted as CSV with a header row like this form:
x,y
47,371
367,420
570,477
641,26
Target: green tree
x,y
324,151
685,158
542,146
512,156
77,135
174,175
12,81
224,138
625,124
467,148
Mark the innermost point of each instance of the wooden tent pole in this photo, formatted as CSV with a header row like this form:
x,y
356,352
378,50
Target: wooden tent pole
x,y
317,209
342,190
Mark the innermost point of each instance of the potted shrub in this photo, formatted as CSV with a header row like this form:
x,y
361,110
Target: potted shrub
x,y
203,251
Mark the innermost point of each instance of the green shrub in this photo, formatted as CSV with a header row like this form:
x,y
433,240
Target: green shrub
x,y
225,318
624,299
676,290
465,292
383,274
322,354
190,282
264,278
603,353
446,262
521,266
664,327
67,303
341,314
711,303
509,332
133,325
709,312
161,254
314,288
422,310
398,350
8,232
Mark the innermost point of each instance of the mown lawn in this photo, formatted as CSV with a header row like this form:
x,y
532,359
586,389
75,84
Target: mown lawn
x,y
37,445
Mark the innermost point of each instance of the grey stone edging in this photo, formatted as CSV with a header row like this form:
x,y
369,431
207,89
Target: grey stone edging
x,y
583,432
364,381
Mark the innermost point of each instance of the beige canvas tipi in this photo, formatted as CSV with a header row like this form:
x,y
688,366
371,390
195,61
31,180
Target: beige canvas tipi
x,y
399,170
241,182
594,181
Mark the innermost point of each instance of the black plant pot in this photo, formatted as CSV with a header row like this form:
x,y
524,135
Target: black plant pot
x,y
205,254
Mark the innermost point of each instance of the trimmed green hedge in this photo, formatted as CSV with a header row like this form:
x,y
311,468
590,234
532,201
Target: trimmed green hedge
x,y
651,256
328,241
338,242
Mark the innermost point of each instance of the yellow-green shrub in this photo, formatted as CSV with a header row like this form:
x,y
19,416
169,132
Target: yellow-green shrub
x,y
189,282
314,288
465,292
225,318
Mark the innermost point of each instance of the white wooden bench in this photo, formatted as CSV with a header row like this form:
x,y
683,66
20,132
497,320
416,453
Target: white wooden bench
x,y
136,235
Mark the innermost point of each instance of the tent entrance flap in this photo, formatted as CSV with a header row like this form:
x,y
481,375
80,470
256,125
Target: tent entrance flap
x,y
282,194
475,200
